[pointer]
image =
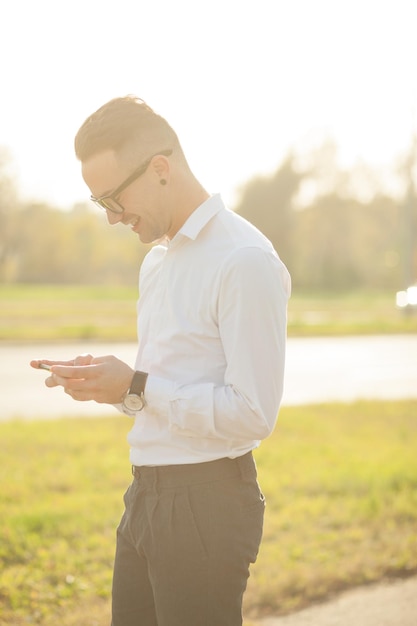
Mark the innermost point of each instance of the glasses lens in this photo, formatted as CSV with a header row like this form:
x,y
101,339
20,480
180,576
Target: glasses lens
x,y
107,204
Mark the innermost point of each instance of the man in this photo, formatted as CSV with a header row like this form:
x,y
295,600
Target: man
x,y
207,382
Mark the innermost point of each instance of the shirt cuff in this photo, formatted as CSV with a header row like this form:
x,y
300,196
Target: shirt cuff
x,y
158,394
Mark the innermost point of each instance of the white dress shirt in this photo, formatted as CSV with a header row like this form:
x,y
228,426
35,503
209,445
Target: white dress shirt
x,y
212,316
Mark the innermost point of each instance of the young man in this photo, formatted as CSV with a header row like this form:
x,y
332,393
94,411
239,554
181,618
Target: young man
x,y
207,382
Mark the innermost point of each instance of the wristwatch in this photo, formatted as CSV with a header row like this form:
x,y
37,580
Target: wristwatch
x,y
134,400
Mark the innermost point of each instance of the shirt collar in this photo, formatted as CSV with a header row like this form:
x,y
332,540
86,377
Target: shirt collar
x,y
201,216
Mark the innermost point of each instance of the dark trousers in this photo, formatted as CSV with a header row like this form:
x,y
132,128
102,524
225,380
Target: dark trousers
x,y
185,543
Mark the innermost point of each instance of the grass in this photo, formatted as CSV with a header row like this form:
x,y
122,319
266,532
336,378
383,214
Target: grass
x,y
349,313
45,312
340,482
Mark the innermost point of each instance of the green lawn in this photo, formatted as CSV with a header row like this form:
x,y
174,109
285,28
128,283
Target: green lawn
x,y
340,482
45,312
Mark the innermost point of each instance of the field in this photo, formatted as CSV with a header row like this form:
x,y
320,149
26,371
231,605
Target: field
x,y
45,312
340,482
32,312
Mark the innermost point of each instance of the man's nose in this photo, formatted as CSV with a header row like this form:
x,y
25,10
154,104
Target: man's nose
x,y
114,218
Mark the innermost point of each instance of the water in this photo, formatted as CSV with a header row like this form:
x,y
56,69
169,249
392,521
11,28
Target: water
x,y
317,370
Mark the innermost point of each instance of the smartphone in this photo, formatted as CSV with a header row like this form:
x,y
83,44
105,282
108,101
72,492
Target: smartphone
x,y
44,366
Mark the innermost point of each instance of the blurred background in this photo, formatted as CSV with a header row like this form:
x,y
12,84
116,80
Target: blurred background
x,y
303,114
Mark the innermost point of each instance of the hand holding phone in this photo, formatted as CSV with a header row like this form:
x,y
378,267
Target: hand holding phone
x,y
104,379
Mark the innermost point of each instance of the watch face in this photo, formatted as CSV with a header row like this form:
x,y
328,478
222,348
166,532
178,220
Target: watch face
x,y
133,402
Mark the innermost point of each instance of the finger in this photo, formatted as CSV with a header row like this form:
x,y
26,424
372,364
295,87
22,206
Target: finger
x,y
83,359
79,393
35,363
76,395
80,372
78,388
51,382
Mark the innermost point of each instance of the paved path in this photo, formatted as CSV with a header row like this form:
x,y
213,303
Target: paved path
x,y
383,604
318,369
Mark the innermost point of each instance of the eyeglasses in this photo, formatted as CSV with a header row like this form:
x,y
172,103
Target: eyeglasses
x,y
109,202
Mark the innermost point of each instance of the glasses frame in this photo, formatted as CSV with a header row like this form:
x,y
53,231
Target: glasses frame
x,y
139,171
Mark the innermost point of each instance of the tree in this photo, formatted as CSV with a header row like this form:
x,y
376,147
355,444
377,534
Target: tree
x,y
334,229
267,202
73,247
8,206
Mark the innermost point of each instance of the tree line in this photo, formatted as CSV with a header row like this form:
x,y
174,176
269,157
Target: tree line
x,y
331,234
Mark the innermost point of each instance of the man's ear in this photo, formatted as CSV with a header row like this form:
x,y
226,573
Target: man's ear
x,y
160,165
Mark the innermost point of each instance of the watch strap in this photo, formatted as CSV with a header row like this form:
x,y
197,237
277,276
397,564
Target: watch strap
x,y
137,386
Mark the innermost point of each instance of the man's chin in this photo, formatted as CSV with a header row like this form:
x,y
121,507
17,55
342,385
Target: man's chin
x,y
146,239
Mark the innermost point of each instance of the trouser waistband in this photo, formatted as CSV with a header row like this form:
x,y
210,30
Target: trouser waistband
x,y
192,473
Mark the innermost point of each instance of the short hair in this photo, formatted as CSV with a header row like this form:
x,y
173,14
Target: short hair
x,y
124,124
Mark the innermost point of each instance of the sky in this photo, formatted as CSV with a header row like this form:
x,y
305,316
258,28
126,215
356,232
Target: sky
x,y
242,82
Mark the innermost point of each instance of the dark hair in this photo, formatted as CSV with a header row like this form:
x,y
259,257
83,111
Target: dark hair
x,y
124,124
